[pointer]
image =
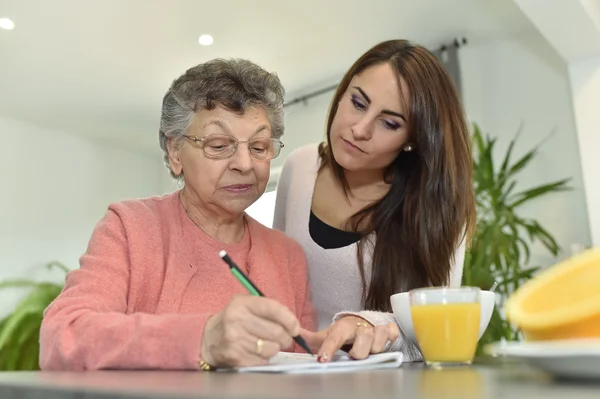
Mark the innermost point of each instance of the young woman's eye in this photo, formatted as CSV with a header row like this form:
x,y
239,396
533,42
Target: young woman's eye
x,y
357,103
390,125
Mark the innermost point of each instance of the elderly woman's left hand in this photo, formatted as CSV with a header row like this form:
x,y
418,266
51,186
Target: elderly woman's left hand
x,y
352,330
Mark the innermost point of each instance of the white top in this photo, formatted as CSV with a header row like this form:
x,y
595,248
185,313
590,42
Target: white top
x,y
334,274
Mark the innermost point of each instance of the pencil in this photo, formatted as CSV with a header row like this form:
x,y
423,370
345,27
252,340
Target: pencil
x,y
253,289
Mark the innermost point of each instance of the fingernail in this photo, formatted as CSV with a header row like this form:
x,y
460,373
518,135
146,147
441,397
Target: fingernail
x,y
322,358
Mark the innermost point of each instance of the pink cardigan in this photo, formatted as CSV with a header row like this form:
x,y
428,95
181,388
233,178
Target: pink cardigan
x,y
149,281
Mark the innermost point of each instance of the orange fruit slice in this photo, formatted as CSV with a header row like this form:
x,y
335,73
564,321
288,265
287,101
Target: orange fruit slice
x,y
562,302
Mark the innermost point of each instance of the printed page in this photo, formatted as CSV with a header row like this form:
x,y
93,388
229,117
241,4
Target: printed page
x,y
285,362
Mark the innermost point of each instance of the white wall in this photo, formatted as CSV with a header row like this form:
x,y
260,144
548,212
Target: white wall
x,y
304,123
166,183
524,81
585,84
55,188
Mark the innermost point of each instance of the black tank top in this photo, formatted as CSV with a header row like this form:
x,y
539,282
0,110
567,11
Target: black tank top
x,y
329,237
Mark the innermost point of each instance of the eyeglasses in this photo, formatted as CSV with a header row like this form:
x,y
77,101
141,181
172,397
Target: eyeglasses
x,y
221,146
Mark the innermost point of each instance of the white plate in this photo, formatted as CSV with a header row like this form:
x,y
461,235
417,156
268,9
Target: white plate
x,y
568,359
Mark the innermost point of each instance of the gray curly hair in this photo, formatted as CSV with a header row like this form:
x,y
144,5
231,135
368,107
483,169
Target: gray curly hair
x,y
234,84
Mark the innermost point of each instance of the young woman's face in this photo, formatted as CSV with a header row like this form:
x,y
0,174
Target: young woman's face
x,y
370,127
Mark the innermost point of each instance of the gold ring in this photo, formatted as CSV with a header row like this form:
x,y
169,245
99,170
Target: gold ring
x,y
259,346
362,324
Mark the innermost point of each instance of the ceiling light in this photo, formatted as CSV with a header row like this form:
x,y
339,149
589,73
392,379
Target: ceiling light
x,y
6,23
205,40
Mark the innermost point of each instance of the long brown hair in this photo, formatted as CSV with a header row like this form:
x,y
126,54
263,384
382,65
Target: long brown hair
x,y
430,206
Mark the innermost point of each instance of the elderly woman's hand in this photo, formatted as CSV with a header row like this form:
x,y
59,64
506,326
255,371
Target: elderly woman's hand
x,y
357,332
247,332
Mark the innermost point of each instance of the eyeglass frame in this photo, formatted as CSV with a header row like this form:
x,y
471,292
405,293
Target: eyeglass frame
x,y
196,139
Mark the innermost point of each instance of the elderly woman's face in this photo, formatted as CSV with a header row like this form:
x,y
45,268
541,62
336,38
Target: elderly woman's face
x,y
231,184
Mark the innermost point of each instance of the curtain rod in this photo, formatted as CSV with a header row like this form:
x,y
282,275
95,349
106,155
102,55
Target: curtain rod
x,y
305,97
456,43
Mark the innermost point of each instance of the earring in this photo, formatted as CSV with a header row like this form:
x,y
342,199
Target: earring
x,y
408,147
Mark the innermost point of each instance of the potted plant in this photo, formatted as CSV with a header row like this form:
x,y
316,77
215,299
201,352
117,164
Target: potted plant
x,y
501,247
20,330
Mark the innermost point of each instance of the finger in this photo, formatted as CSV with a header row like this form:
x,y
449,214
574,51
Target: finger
x,y
276,312
255,346
314,339
362,343
268,331
380,338
339,334
393,332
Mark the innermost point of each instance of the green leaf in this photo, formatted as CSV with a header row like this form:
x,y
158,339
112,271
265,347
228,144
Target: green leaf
x,y
10,332
503,173
507,192
478,139
55,264
24,343
30,349
25,319
538,233
542,235
10,357
28,326
525,248
521,163
504,167
19,331
532,193
13,350
485,162
19,283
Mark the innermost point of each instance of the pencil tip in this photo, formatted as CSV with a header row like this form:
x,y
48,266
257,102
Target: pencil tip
x,y
222,253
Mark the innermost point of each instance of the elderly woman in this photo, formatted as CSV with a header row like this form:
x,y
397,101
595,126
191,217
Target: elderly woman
x,y
152,292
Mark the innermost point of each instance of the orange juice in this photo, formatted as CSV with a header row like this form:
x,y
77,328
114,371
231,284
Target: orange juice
x,y
447,333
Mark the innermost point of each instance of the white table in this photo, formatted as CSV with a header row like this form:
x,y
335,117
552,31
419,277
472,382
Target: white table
x,y
492,379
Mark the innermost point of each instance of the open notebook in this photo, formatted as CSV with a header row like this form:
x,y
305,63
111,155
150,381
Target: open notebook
x,y
296,363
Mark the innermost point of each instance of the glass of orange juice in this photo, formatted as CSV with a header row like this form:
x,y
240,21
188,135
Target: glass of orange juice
x,y
446,324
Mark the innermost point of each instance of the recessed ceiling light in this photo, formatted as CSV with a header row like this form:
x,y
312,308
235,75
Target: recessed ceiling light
x,y
205,40
6,24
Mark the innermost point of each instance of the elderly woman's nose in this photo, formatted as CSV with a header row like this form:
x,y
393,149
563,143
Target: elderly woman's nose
x,y
241,159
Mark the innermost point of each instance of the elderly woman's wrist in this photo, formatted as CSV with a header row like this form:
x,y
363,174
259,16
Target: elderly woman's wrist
x,y
206,362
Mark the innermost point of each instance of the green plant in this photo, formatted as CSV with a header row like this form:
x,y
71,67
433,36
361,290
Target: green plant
x,y
501,247
20,330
